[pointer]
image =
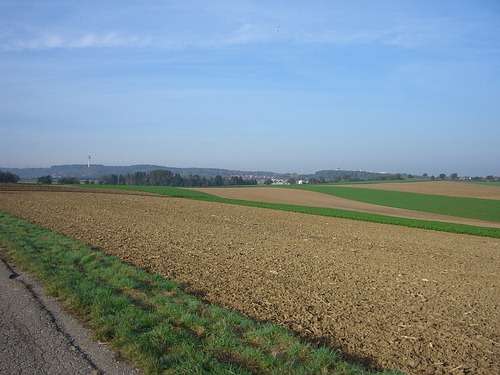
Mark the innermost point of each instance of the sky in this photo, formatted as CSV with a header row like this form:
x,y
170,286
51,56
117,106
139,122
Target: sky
x,y
283,86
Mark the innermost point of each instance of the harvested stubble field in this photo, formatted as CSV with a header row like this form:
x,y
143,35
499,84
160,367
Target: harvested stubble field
x,y
389,296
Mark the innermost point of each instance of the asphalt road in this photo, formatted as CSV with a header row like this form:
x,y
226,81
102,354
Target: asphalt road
x,y
38,337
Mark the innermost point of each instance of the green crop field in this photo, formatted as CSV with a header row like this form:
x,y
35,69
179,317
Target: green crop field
x,y
472,208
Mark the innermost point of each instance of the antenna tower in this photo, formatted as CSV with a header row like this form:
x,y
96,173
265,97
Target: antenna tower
x,y
88,161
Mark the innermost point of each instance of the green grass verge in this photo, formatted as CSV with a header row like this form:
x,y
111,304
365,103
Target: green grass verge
x,y
151,320
472,208
321,211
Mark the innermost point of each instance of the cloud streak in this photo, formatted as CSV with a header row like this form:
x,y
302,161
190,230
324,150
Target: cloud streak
x,y
217,31
48,41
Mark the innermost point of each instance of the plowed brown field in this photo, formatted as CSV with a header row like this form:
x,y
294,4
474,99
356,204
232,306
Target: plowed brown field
x,y
391,297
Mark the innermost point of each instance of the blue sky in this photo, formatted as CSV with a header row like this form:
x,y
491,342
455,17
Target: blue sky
x,y
286,86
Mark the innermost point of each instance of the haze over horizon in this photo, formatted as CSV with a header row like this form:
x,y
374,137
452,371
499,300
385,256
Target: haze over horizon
x,y
284,86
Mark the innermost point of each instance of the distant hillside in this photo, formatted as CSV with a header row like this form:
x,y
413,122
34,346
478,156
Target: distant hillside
x,y
96,171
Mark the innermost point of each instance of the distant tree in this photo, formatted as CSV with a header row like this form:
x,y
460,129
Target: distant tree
x,y
177,180
110,179
9,177
410,176
236,180
46,180
251,181
292,181
194,181
442,176
140,178
425,175
313,180
268,182
218,181
69,180
454,176
137,178
160,177
433,178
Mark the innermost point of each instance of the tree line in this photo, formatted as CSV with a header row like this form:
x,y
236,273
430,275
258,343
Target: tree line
x,y
8,177
167,178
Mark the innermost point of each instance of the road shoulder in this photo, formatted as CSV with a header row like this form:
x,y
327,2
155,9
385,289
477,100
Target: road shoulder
x,y
38,336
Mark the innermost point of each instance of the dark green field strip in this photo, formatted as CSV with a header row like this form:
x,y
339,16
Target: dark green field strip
x,y
472,208
152,321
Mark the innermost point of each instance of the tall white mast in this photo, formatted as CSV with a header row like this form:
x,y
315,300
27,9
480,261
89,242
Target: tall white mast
x,y
88,161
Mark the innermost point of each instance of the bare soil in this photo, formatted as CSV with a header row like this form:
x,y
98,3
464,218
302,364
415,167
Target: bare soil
x,y
387,296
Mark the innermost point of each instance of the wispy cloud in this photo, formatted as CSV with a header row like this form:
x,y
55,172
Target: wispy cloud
x,y
249,33
219,26
47,41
